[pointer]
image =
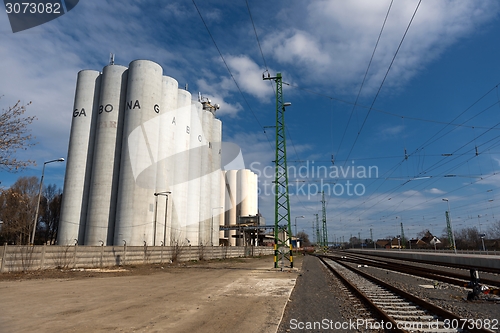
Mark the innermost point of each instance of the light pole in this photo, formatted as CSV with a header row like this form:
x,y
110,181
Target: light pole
x,y
451,227
165,193
298,217
39,195
481,235
212,226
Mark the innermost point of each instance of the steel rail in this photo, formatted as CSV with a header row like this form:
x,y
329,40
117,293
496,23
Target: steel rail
x,y
448,277
420,302
376,309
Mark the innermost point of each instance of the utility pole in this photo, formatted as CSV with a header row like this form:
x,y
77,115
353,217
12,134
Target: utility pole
x,y
373,241
403,240
283,244
313,235
325,228
318,236
449,231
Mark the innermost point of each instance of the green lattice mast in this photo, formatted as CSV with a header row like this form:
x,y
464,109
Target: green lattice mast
x,y
282,240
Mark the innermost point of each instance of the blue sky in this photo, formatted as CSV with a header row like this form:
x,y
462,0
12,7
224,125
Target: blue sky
x,y
440,96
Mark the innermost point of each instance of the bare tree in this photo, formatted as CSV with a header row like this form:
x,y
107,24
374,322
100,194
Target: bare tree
x,y
17,210
50,209
494,231
14,135
468,238
304,239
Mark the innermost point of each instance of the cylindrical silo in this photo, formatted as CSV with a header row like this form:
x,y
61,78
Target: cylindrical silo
x,y
253,195
136,201
106,161
223,235
207,210
231,197
216,203
79,159
165,172
242,208
180,158
194,183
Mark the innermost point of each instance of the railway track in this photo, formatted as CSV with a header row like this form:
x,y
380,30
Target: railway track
x,y
433,263
451,277
397,310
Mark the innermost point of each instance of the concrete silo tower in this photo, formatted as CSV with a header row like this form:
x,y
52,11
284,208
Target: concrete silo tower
x,y
137,184
106,159
79,160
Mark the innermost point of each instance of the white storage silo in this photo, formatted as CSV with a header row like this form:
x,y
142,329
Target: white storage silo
x,y
206,208
137,184
217,204
242,210
194,183
165,172
224,233
231,203
106,160
179,187
79,160
253,194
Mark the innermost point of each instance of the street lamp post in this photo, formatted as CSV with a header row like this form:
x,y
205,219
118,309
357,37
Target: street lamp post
x,y
481,235
212,226
451,226
298,217
165,193
39,195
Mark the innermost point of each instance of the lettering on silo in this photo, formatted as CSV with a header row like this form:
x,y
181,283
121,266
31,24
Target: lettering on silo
x,y
107,108
78,114
137,105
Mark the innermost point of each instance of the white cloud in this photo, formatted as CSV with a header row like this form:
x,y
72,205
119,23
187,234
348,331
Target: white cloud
x,y
435,191
248,75
336,38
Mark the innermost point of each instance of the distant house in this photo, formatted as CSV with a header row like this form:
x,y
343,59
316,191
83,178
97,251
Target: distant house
x,y
428,241
383,243
395,243
413,243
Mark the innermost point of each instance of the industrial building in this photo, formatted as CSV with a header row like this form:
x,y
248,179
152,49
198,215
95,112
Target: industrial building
x,y
144,164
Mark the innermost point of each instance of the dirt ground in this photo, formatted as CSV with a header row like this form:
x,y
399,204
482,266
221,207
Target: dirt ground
x,y
244,295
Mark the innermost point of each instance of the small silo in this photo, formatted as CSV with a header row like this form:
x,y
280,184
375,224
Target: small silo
x,y
231,204
243,186
179,196
106,160
223,234
79,160
137,184
253,194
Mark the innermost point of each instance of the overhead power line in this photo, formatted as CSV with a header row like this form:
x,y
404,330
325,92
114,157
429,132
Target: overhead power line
x,y
227,67
364,78
383,81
